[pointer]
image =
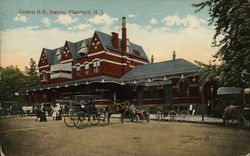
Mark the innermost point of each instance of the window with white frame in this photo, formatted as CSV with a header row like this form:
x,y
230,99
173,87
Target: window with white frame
x,y
44,75
96,66
86,68
78,70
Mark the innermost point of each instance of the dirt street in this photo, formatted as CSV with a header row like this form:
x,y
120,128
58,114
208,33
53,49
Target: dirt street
x,y
24,136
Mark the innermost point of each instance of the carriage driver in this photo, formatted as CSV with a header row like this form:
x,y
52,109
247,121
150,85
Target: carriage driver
x,y
132,108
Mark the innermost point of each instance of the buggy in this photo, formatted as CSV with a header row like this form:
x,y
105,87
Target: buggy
x,y
82,112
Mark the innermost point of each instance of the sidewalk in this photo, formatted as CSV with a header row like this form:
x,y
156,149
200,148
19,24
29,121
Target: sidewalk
x,y
191,118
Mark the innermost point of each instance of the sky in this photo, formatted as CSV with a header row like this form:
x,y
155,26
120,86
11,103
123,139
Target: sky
x,y
159,26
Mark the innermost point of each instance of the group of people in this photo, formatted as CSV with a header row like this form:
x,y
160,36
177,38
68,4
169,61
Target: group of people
x,y
55,112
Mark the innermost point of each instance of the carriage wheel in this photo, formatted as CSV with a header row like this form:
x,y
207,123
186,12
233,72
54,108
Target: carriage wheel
x,y
93,119
102,119
81,122
135,118
184,115
69,120
172,115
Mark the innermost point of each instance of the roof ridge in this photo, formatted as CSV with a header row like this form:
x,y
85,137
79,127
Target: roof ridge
x,y
102,33
165,61
58,48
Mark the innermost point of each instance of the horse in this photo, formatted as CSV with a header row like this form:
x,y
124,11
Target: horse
x,y
233,113
116,108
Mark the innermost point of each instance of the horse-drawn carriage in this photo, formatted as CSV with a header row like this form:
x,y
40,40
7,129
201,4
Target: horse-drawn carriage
x,y
237,105
170,113
134,114
126,111
82,112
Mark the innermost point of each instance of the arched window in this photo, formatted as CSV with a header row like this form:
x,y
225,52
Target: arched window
x,y
96,66
44,75
86,68
183,88
78,70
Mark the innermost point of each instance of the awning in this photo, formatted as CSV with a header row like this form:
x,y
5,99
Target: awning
x,y
229,90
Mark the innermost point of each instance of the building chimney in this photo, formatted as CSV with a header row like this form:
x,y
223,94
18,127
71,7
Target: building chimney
x,y
174,55
115,40
124,35
152,59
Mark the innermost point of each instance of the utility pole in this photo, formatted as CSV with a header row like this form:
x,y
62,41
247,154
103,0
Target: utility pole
x,y
202,100
202,104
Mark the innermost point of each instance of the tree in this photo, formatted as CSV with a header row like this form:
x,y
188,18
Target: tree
x,y
209,71
31,74
12,80
231,19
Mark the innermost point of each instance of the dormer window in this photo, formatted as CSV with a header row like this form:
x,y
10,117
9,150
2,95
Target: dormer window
x,y
84,49
128,45
58,55
96,66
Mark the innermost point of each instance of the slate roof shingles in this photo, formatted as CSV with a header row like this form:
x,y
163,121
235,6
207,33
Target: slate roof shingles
x,y
106,40
166,68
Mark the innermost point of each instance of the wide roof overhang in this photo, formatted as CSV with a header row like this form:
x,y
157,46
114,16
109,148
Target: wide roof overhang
x,y
106,79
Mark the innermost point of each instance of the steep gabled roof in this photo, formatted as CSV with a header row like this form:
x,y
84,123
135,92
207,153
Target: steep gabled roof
x,y
166,68
53,55
48,55
75,47
106,40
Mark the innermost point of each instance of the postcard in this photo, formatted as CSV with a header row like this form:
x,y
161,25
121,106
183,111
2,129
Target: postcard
x,y
113,77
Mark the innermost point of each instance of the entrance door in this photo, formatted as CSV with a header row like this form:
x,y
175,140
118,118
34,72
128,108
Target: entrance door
x,y
168,94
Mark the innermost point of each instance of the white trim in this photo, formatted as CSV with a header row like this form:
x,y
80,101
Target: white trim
x,y
97,53
116,55
101,52
109,61
66,61
130,59
44,66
